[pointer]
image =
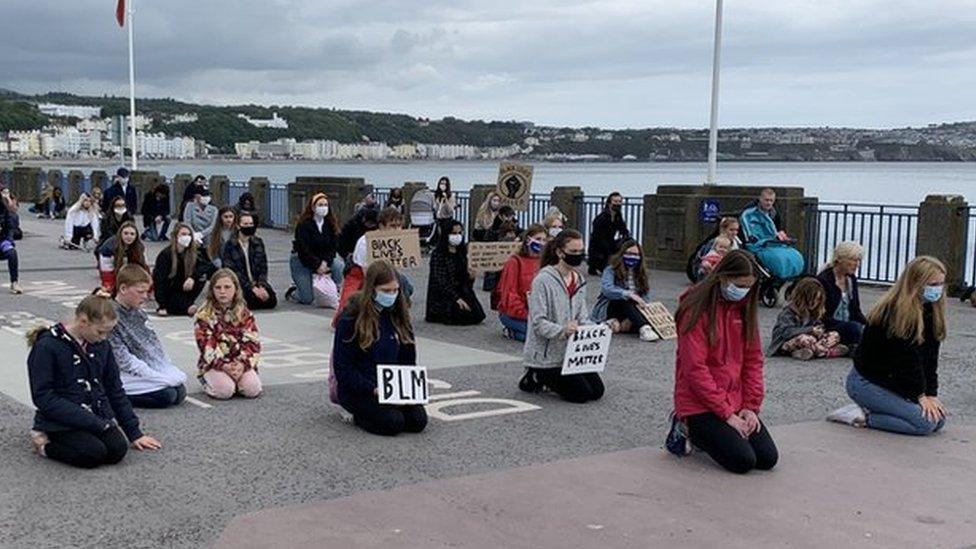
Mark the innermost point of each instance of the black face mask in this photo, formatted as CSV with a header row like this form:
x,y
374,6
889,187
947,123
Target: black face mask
x,y
574,260
249,231
616,208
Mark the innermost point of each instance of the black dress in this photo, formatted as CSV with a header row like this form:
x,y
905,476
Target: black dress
x,y
169,291
448,282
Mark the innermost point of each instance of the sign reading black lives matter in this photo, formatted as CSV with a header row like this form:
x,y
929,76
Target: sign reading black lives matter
x,y
587,350
401,247
401,384
515,184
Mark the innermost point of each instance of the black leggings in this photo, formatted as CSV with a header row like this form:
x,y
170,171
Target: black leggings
x,y
386,419
256,304
727,447
79,233
626,309
86,449
163,398
578,388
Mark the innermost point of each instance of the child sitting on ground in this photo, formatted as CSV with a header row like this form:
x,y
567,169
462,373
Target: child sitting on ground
x,y
799,331
720,246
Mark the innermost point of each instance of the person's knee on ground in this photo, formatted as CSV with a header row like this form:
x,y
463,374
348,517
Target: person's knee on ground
x,y
388,424
249,385
415,419
218,385
116,446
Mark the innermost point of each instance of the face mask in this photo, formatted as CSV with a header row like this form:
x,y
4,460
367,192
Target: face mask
x,y
321,211
535,246
734,293
554,231
205,200
931,294
616,208
455,239
249,231
386,299
631,261
574,260
494,205
119,211
184,240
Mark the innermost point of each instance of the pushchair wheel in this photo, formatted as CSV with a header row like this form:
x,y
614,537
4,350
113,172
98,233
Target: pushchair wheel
x,y
769,295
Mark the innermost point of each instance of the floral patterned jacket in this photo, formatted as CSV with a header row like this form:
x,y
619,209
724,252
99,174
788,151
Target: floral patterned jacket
x,y
222,341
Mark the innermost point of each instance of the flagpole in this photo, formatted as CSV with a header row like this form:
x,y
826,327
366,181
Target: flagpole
x,y
132,92
713,121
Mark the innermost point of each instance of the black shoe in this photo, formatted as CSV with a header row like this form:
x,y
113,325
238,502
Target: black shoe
x,y
677,440
289,292
967,294
530,383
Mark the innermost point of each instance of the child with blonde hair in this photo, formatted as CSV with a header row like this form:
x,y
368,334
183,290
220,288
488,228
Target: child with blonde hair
x,y
720,246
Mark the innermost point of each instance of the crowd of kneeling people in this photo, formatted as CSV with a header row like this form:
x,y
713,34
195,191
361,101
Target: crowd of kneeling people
x,y
88,373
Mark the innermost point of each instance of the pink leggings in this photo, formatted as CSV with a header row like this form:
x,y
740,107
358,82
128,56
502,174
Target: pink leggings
x,y
219,385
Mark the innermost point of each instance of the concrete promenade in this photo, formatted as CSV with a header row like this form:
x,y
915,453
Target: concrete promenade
x,y
495,468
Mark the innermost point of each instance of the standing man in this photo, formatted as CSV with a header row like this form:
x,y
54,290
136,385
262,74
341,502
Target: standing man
x,y
121,187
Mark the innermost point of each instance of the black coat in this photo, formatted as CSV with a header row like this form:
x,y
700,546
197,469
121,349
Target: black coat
x,y
448,281
77,390
129,194
314,246
166,289
232,256
349,235
605,232
833,293
151,207
900,365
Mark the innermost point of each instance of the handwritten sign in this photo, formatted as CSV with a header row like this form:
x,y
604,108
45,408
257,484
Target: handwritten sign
x,y
515,184
660,319
401,384
401,247
490,256
587,350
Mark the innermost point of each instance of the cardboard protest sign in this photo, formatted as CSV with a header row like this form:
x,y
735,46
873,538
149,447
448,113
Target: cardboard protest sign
x,y
660,319
587,349
401,247
515,184
490,256
401,384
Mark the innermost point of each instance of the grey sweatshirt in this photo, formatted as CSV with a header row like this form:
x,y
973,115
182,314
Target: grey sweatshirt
x,y
143,364
550,310
203,221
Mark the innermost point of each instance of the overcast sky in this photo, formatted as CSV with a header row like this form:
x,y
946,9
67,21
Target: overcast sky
x,y
615,64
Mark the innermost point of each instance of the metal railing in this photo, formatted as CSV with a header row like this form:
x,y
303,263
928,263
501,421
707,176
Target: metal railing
x,y
887,233
969,273
277,206
588,207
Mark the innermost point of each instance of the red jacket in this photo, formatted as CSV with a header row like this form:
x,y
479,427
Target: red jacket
x,y
723,378
514,286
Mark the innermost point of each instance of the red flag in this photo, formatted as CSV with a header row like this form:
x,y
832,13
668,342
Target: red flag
x,y
120,13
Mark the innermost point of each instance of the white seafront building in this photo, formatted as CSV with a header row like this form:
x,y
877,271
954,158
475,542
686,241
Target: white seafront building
x,y
287,148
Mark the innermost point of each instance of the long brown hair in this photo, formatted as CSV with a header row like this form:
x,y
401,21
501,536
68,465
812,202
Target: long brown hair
x,y
616,262
900,308
367,315
133,253
189,255
533,229
309,212
549,255
216,241
96,308
703,298
808,299
210,309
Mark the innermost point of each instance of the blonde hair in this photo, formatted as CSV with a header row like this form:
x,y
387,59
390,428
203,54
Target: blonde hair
x,y
721,238
808,299
237,311
900,308
485,216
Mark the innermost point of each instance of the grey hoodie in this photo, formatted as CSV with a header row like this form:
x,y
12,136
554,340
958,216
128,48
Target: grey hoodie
x,y
550,310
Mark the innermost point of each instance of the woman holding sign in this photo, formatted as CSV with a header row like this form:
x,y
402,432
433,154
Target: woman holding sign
x,y
718,387
557,308
624,291
450,289
375,329
516,283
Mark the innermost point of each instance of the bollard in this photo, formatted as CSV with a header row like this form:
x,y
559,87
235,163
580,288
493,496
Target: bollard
x,y
943,231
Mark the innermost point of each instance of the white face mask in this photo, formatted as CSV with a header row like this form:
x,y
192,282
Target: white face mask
x,y
205,200
119,211
321,211
554,231
455,239
184,240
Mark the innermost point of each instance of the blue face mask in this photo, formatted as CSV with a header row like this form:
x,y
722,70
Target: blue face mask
x,y
631,261
734,293
535,246
931,294
386,299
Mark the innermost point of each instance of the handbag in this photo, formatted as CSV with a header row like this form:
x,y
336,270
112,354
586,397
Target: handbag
x,y
324,291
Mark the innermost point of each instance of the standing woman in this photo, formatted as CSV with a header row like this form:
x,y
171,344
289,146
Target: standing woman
x,y
8,251
314,249
557,307
718,386
83,417
180,273
839,279
122,249
516,283
155,214
895,378
609,228
227,337
227,221
623,289
375,329
445,202
81,224
450,289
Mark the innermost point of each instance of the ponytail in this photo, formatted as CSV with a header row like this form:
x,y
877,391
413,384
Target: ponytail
x,y
96,308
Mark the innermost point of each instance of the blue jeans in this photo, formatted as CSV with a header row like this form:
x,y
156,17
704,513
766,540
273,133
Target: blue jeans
x,y
152,234
12,263
301,276
518,327
163,398
888,411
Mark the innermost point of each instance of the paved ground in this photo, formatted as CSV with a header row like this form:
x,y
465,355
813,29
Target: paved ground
x,y
222,460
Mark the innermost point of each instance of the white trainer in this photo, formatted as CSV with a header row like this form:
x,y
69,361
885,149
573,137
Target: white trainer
x,y
648,334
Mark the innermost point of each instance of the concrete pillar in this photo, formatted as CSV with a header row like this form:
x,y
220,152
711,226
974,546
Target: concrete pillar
x,y
143,181
566,199
478,194
220,189
100,179
180,182
260,189
943,230
6,177
24,184
55,178
343,193
76,179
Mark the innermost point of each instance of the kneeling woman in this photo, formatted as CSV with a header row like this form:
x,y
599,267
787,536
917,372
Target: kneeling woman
x,y
180,273
557,307
450,288
516,283
375,329
895,377
718,387
227,337
123,248
75,386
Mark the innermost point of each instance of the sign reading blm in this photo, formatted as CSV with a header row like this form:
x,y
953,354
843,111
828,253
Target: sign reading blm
x,y
401,384
401,247
587,350
515,184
